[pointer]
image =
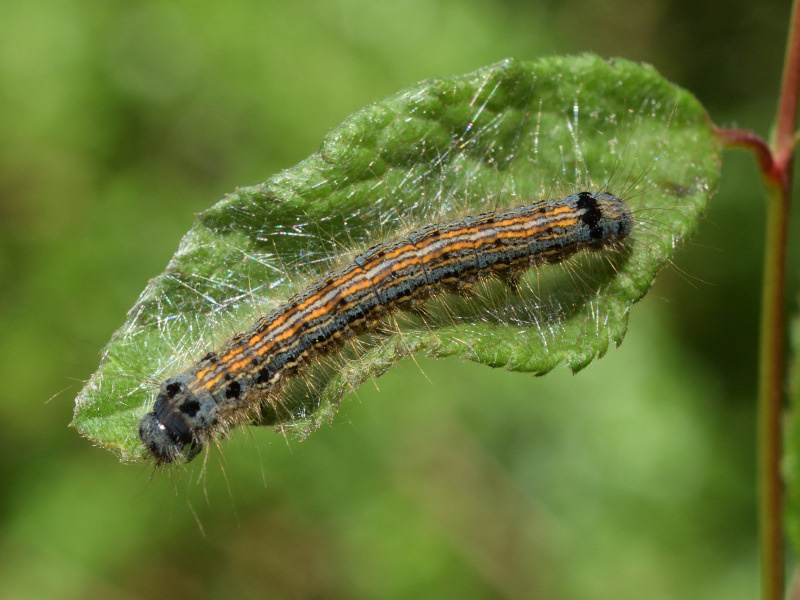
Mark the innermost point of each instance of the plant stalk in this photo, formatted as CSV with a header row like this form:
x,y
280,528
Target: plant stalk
x,y
772,367
770,395
775,162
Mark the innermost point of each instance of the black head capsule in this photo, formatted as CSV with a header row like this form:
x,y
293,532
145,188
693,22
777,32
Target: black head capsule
x,y
179,417
159,441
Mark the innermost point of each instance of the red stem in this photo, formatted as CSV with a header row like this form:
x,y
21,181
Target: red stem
x,y
747,140
775,162
786,124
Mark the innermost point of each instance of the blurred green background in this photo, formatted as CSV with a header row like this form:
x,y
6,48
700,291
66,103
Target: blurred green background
x,y
634,479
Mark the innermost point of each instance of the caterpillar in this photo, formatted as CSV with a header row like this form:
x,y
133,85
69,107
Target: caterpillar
x,y
251,368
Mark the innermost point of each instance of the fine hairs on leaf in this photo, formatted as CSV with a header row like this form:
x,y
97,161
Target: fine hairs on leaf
x,y
503,136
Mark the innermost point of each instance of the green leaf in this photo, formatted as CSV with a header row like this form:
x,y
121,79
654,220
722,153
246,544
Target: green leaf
x,y
504,135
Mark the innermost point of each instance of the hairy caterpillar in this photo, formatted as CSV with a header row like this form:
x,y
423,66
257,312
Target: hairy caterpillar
x,y
251,368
